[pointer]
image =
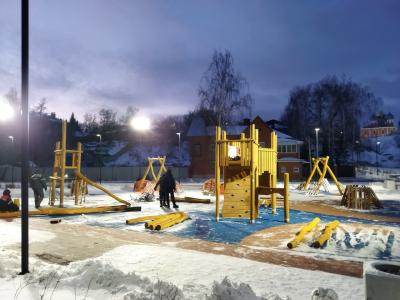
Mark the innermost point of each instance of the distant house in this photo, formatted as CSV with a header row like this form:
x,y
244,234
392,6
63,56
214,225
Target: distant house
x,y
201,139
381,124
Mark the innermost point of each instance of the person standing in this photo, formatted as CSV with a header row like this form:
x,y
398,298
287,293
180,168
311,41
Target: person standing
x,y
38,184
170,188
163,196
6,203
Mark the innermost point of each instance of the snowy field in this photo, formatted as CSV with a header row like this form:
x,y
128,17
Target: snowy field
x,y
148,271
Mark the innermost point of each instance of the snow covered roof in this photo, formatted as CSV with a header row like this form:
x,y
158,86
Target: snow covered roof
x,y
284,139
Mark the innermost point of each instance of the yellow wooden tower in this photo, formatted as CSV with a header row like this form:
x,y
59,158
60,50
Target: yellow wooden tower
x,y
249,171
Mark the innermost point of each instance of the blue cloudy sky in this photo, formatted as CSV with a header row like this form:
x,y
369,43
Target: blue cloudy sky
x,y
89,54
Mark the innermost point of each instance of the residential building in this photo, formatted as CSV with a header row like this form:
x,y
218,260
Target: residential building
x,y
381,124
201,139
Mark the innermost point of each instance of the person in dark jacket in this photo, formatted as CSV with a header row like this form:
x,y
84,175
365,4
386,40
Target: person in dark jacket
x,y
38,184
6,203
161,192
170,187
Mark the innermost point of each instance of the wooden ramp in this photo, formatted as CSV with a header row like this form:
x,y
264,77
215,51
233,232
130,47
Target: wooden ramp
x,y
237,193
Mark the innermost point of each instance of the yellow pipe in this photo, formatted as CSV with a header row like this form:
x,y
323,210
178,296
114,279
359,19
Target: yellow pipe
x,y
171,222
165,218
286,197
101,188
68,211
326,234
316,162
141,219
303,231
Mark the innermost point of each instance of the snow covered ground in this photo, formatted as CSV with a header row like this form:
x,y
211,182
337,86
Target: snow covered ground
x,y
144,271
161,272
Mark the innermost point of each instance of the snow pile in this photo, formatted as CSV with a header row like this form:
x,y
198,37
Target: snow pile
x,y
227,290
324,294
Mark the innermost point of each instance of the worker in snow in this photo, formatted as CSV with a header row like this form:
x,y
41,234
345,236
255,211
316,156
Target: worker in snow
x,y
6,203
163,196
38,184
170,188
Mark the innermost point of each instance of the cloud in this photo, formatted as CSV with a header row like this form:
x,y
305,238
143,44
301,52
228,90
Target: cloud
x,y
86,55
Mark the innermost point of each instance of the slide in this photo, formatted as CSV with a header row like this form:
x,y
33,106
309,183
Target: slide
x,y
101,188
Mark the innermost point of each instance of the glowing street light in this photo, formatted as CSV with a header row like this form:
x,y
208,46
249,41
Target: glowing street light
x,y
140,123
316,141
7,111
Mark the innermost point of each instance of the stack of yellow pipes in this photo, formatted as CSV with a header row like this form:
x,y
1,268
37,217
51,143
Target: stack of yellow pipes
x,y
321,240
159,222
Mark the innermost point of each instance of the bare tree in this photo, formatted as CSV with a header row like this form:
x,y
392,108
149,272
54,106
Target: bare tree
x,y
223,92
338,106
90,124
129,114
107,119
41,107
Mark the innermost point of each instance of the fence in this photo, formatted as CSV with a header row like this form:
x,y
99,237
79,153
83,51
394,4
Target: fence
x,y
13,174
375,173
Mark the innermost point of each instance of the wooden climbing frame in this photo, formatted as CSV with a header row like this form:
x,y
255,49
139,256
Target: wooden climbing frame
x,y
150,167
322,173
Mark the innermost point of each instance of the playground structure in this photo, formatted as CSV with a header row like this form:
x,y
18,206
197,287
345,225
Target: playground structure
x,y
159,222
322,173
320,240
80,182
147,186
360,197
245,164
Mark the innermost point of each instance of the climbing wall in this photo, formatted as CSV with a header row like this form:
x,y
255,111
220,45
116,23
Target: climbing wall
x,y
236,193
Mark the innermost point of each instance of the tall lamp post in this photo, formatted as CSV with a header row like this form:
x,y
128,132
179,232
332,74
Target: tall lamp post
x,y
316,141
100,161
24,136
378,143
180,157
357,151
13,161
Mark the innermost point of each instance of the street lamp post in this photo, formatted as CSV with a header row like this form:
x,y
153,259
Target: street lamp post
x,y
357,151
376,153
100,161
316,141
180,158
13,161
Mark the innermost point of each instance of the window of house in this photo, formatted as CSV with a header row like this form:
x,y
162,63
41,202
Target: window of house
x,y
283,169
196,150
280,148
296,170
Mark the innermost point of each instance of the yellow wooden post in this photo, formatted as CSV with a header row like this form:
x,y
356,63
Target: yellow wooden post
x,y
217,172
338,185
54,179
78,180
63,156
321,178
316,162
252,174
286,198
274,174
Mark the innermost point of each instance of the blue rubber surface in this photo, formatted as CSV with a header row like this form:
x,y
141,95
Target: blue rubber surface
x,y
232,231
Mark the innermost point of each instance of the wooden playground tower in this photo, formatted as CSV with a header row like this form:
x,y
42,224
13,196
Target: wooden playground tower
x,y
80,182
245,165
322,174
